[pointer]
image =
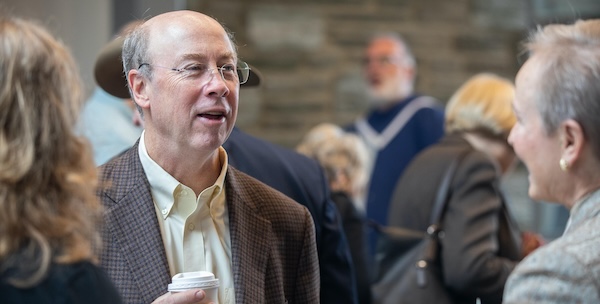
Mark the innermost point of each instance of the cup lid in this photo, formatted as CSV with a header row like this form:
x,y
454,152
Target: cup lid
x,y
190,280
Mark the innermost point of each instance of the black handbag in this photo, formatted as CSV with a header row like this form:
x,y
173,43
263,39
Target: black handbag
x,y
408,269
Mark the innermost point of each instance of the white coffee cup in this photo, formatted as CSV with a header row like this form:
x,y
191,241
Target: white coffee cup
x,y
198,279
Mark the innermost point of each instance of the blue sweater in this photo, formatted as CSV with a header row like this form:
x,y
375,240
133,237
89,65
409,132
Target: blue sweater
x,y
424,128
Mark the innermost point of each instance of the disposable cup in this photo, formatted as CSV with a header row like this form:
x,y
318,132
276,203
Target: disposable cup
x,y
198,279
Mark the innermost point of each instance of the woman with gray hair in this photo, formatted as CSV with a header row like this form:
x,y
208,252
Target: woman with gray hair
x,y
557,136
344,158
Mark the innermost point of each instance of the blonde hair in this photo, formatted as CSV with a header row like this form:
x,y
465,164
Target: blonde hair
x,y
47,176
483,104
316,137
338,153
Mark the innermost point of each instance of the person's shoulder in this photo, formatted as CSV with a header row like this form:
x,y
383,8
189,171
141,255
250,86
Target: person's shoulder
x,y
119,162
558,271
121,174
571,255
242,140
79,282
245,149
84,271
262,196
449,147
428,106
581,242
88,281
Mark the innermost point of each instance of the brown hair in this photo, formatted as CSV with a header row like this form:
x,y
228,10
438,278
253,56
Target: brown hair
x,y
47,176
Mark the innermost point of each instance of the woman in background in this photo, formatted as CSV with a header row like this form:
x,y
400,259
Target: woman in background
x,y
47,177
344,159
481,243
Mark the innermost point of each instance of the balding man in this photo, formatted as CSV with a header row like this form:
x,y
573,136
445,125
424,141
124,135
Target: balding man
x,y
173,204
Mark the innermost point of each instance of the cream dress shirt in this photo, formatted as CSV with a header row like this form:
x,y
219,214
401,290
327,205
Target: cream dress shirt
x,y
195,230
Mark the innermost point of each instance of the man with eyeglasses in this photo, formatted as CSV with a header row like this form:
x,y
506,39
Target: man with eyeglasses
x,y
399,124
173,204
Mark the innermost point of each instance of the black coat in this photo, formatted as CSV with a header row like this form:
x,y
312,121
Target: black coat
x,y
81,282
355,228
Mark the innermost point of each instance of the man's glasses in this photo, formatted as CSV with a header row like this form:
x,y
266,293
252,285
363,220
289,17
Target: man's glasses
x,y
229,72
380,60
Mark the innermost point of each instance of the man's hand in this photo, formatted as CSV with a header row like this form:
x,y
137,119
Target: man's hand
x,y
191,296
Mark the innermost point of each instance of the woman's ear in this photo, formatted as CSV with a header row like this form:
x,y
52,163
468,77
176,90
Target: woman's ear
x,y
137,83
572,140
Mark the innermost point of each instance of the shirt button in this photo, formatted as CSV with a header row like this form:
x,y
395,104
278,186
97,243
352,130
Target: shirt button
x,y
191,226
165,211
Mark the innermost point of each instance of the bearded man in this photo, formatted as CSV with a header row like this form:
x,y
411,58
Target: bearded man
x,y
400,123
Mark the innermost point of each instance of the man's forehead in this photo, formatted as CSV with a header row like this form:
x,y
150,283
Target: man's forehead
x,y
183,27
192,38
385,46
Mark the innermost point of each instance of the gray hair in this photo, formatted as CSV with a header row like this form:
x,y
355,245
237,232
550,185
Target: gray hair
x,y
135,52
409,58
570,63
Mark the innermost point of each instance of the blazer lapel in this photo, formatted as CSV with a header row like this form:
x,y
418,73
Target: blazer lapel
x,y
251,238
133,224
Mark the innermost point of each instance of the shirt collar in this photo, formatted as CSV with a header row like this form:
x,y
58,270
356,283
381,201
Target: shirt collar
x,y
164,187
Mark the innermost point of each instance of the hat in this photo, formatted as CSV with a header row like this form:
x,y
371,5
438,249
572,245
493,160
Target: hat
x,y
109,75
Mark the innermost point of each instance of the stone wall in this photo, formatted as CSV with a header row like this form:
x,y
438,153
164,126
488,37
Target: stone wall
x,y
309,52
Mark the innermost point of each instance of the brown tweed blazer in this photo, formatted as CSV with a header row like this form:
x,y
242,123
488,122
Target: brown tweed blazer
x,y
274,255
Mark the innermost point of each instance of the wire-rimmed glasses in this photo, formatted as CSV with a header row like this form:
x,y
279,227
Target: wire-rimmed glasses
x,y
229,72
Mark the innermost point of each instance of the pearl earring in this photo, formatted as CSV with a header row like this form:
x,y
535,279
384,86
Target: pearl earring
x,y
564,165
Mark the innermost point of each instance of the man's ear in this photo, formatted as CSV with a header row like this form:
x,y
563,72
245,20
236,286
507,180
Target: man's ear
x,y
138,84
572,140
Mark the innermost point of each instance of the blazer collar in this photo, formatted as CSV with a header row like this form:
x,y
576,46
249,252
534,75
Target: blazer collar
x,y
251,239
132,222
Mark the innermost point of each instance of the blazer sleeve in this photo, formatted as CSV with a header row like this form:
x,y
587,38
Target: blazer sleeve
x,y
308,280
470,246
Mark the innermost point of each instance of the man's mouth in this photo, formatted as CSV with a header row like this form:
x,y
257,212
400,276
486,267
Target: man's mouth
x,y
212,115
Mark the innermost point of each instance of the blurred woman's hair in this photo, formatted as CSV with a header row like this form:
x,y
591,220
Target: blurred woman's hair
x,y
316,137
568,55
49,208
483,104
343,156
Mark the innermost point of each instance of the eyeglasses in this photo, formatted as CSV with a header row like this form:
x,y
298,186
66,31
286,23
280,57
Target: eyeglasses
x,y
229,72
380,60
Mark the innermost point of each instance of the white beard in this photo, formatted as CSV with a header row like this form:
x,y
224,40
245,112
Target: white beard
x,y
390,92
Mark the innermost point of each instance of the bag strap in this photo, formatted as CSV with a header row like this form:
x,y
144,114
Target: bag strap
x,y
430,252
443,191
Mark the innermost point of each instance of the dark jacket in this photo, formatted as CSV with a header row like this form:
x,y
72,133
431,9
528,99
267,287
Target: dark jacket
x,y
481,244
78,283
354,225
